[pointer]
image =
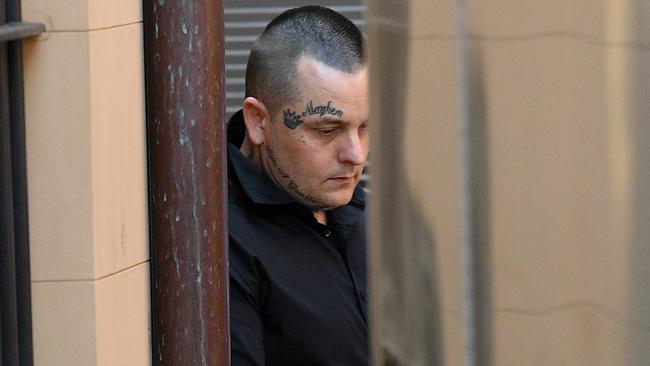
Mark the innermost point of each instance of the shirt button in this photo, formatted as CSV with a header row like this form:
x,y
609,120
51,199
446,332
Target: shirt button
x,y
327,233
362,295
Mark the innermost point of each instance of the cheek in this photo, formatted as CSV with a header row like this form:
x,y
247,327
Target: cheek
x,y
365,141
310,164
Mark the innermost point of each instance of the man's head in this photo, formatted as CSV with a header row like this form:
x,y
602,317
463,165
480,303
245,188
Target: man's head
x,y
306,109
314,31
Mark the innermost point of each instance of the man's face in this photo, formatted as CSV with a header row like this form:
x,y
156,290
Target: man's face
x,y
316,148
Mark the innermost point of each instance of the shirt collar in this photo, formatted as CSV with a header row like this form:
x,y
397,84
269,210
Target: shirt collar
x,y
259,188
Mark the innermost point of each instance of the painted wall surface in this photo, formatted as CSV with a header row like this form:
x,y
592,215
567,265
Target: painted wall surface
x,y
84,101
559,106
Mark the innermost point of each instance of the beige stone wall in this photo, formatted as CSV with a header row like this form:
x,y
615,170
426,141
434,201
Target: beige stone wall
x,y
559,95
84,100
414,191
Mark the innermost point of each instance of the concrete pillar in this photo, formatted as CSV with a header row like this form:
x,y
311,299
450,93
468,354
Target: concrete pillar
x,y
86,167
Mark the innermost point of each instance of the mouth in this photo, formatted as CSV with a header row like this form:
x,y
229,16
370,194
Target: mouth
x,y
342,179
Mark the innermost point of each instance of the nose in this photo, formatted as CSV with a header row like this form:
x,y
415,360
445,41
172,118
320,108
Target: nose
x,y
354,150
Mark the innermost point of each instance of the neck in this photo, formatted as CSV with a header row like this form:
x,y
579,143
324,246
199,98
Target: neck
x,y
247,150
254,154
321,217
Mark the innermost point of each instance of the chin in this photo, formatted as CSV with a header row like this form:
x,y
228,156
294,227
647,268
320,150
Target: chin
x,y
337,199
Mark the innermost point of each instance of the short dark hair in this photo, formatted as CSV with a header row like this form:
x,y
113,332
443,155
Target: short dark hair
x,y
314,31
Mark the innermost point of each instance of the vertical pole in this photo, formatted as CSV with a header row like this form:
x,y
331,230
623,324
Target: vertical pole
x,y
8,308
20,205
467,239
184,58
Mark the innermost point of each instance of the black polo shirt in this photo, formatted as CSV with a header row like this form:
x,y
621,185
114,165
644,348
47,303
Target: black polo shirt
x,y
297,287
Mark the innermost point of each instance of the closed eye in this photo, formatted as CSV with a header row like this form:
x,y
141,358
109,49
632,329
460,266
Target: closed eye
x,y
327,131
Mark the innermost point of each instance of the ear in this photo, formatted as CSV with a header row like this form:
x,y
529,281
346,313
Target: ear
x,y
256,118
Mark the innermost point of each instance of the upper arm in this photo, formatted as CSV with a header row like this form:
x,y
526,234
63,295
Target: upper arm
x,y
246,331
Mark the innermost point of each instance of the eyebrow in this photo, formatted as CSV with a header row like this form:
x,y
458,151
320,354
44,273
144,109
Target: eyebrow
x,y
328,121
325,121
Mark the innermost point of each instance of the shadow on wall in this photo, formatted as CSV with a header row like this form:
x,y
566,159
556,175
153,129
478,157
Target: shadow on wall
x,y
408,312
639,137
480,203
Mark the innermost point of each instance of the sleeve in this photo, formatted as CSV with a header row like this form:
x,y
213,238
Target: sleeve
x,y
246,332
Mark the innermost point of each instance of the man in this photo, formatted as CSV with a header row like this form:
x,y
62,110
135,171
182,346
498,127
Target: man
x,y
297,221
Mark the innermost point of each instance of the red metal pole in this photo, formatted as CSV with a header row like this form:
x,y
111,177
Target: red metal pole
x,y
187,181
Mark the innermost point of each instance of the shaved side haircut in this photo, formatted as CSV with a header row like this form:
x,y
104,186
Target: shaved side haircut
x,y
314,31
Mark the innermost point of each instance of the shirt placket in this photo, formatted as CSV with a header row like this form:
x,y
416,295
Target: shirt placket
x,y
336,239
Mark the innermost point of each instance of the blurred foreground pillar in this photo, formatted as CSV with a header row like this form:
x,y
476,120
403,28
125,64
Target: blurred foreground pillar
x,y
187,186
558,104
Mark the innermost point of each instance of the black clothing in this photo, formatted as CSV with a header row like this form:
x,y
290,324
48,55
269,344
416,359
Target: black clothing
x,y
297,287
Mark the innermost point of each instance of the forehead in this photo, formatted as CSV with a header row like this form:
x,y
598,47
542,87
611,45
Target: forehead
x,y
321,83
